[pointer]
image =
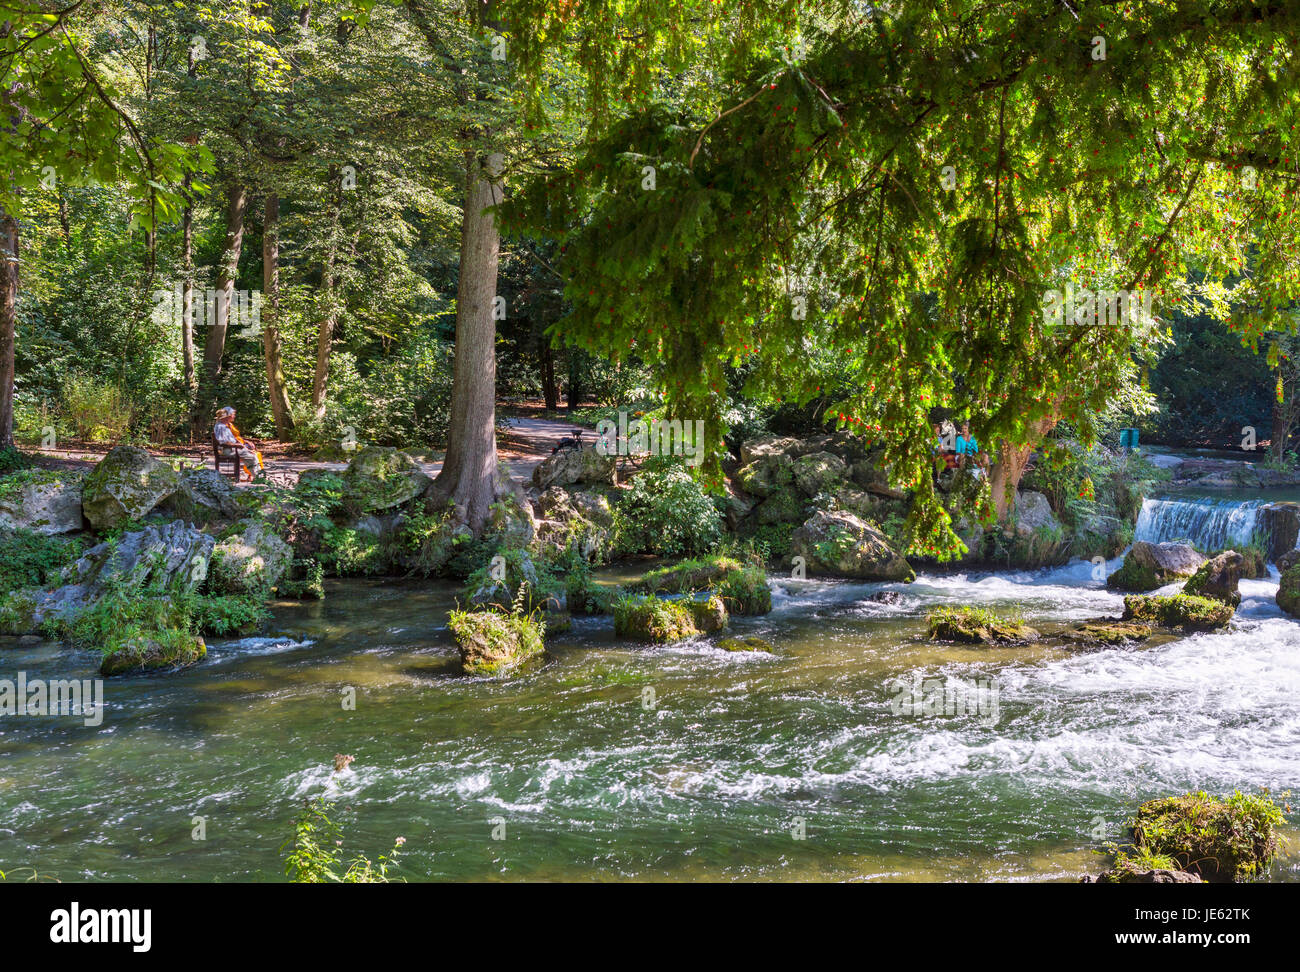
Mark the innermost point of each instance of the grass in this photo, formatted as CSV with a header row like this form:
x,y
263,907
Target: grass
x,y
974,625
653,619
1189,612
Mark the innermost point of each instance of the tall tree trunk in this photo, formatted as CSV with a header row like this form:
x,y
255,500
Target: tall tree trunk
x,y
469,472
215,344
8,324
550,390
330,310
187,292
1005,474
272,345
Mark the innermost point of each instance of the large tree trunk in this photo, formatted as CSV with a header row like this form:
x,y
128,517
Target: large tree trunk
x,y
330,310
272,345
1005,474
187,292
215,345
8,324
469,472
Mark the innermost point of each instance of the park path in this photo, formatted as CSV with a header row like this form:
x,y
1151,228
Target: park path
x,y
522,443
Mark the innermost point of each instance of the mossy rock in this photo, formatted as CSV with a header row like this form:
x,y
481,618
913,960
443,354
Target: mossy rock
x,y
1133,576
709,615
1218,578
1221,840
1288,591
1187,612
650,618
745,591
41,501
381,478
1110,632
153,651
973,626
749,643
766,475
250,560
127,484
494,642
819,472
687,576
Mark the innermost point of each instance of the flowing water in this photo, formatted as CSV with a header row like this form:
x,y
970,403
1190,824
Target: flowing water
x,y
614,761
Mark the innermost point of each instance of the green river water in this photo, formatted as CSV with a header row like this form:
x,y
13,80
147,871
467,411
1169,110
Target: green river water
x,y
619,761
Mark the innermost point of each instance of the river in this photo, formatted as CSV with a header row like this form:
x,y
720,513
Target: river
x,y
617,761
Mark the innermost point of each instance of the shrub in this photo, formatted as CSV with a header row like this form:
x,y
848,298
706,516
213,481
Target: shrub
x,y
30,559
1220,839
314,855
745,591
97,412
666,511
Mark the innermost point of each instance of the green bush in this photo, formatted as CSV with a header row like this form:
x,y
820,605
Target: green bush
x,y
314,855
666,511
96,412
30,559
1220,839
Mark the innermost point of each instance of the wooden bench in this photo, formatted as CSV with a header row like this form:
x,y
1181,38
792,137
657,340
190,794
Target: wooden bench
x,y
218,459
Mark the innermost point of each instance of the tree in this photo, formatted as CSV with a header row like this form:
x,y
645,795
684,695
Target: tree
x,y
911,189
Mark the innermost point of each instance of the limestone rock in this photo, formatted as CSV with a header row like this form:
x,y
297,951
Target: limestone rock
x,y
840,543
127,484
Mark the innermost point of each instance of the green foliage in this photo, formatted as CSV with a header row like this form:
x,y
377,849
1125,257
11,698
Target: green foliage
x,y
30,559
12,460
1189,612
745,591
1227,839
976,625
653,619
666,511
314,855
493,641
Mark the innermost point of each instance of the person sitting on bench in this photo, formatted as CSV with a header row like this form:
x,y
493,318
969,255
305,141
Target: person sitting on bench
x,y
232,443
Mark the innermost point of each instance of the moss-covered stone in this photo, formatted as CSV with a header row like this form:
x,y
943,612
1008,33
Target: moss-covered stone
x,y
1150,565
1109,632
381,478
650,618
1288,591
127,484
1187,612
766,475
41,501
1133,576
687,576
746,644
1221,840
709,615
971,625
493,642
840,544
1218,578
745,591
153,651
784,505
250,560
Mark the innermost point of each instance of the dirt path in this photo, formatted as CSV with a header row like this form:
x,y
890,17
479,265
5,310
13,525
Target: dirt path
x,y
521,444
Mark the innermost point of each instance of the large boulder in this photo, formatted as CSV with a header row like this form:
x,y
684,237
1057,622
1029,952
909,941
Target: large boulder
x,y
766,475
1288,591
1150,565
1281,524
839,543
566,467
381,478
1218,578
767,445
127,484
493,642
819,472
783,506
250,560
173,559
1186,612
1034,513
41,501
203,496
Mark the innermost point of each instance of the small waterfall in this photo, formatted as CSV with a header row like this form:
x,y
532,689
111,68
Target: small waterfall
x,y
1210,524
